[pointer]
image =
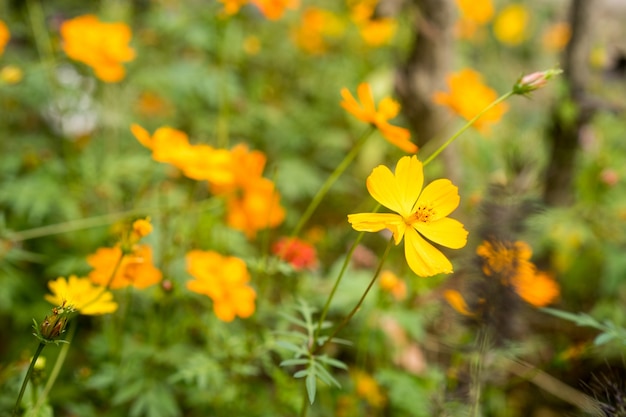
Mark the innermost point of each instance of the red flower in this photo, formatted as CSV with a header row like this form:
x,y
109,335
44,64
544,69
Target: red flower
x,y
298,253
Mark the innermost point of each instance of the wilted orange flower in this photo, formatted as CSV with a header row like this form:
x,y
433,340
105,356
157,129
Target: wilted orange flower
x,y
387,109
5,36
135,269
82,295
275,9
224,279
510,26
556,36
300,254
315,25
390,283
256,209
477,11
368,389
102,46
468,96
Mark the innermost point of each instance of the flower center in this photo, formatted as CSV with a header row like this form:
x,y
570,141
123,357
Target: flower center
x,y
423,214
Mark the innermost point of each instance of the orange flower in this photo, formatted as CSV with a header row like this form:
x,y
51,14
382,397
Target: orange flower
x,y
387,109
141,228
135,269
232,7
539,289
375,31
258,208
477,11
224,279
314,26
300,254
390,283
244,168
556,36
274,9
468,96
457,302
368,389
102,46
5,36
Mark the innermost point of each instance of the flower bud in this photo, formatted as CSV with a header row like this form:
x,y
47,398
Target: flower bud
x,y
534,81
53,325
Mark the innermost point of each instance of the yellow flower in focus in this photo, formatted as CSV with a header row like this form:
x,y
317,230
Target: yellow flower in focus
x,y
510,26
5,36
539,289
418,214
468,96
275,9
556,36
11,74
225,280
82,295
256,209
390,283
477,11
368,389
135,269
102,46
457,302
387,109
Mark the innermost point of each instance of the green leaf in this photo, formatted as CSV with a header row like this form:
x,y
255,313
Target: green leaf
x,y
332,362
302,373
325,376
290,362
311,386
603,338
299,350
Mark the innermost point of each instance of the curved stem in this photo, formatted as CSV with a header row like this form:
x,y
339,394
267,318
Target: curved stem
x,y
467,126
27,378
356,308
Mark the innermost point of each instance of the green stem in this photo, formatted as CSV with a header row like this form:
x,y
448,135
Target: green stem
x,y
467,126
330,181
27,378
477,368
305,402
356,308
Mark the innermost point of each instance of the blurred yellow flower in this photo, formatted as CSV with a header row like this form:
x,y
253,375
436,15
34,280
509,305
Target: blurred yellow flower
x,y
468,96
556,36
5,36
510,26
102,46
135,269
368,389
141,228
224,279
275,9
11,74
420,214
315,25
477,11
251,45
389,282
82,295
387,109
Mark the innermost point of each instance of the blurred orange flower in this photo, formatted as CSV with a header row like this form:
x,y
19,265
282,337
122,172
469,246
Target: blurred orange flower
x,y
510,26
368,389
387,109
477,11
389,282
245,167
82,295
556,36
300,254
275,9
232,7
468,96
135,269
102,46
457,302
315,25
224,279
5,36
375,31
539,289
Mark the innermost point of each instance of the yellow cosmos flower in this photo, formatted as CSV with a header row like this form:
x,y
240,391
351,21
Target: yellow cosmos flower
x,y
468,96
102,46
510,26
477,11
419,214
5,35
387,109
82,295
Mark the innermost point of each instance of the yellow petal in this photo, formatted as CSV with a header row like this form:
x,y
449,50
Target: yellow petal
x,y
375,222
446,232
442,196
456,300
399,192
397,136
423,258
366,98
141,135
388,108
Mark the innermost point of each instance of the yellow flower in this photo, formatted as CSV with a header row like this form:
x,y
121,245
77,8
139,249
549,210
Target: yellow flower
x,y
510,26
141,228
368,389
82,295
387,109
477,11
390,283
224,279
5,36
556,36
375,31
468,96
135,269
274,9
102,46
420,214
11,74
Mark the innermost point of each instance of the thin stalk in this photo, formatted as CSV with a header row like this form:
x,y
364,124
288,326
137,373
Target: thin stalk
x,y
27,378
330,181
467,126
477,368
305,402
356,308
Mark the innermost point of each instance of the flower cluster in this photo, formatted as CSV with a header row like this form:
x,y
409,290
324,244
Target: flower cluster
x,y
253,201
366,111
102,46
224,279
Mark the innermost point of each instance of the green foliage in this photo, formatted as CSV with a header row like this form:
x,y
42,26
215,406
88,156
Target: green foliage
x,y
609,330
